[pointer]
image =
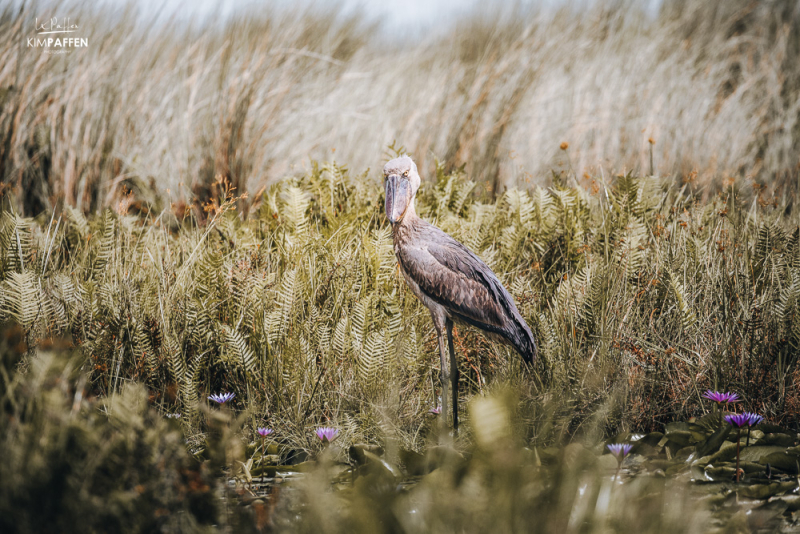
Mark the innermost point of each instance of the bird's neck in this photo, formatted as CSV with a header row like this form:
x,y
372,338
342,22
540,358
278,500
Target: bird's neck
x,y
411,214
406,227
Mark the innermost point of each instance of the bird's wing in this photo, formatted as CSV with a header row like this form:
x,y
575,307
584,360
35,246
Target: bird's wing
x,y
449,273
454,277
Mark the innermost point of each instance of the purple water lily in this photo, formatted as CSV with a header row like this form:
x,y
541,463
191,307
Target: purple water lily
x,y
719,398
738,419
264,432
753,418
620,450
221,398
327,434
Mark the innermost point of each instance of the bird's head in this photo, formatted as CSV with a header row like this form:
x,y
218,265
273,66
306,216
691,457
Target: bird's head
x,y
401,180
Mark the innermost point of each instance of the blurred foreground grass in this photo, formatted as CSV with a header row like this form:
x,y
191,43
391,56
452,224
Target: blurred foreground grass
x,y
77,463
89,465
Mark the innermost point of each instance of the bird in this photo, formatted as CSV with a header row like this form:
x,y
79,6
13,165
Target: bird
x,y
449,279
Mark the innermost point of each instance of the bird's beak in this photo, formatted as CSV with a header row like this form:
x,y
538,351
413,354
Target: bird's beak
x,y
398,197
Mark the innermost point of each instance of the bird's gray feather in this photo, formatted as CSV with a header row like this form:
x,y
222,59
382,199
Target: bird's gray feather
x,y
451,275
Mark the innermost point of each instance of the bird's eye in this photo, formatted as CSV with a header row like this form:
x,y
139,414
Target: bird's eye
x,y
405,174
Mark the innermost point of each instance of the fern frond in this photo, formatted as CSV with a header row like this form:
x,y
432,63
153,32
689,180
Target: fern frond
x,y
105,245
240,352
687,316
21,300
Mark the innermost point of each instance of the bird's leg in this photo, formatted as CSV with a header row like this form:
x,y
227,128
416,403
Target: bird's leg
x,y
453,374
445,375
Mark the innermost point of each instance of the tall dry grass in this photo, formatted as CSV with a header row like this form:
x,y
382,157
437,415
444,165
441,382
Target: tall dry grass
x,y
163,109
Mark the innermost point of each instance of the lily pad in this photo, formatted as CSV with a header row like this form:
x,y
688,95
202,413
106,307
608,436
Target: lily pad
x,y
751,467
678,439
651,439
702,461
714,442
415,464
781,460
792,501
697,437
755,454
769,428
676,468
781,440
698,473
764,491
356,452
726,453
710,421
374,464
644,449
766,517
677,426
720,473
652,465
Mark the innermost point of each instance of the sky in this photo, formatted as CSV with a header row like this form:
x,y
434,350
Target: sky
x,y
411,15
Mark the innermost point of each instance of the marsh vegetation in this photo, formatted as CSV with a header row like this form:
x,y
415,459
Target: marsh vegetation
x,y
165,238
642,297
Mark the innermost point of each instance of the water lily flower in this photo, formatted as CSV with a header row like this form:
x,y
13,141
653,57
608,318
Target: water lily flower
x,y
327,434
753,418
738,419
222,398
719,398
264,432
620,450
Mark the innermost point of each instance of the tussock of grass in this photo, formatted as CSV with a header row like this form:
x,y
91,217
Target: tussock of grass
x,y
165,109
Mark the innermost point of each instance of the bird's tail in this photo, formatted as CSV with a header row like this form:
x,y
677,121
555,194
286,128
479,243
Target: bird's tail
x,y
526,344
531,352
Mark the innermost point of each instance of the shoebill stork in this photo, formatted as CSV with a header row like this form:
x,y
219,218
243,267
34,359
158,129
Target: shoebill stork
x,y
451,281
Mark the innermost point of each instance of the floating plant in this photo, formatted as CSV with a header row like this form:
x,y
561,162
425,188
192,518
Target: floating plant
x,y
221,398
327,434
619,451
741,420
